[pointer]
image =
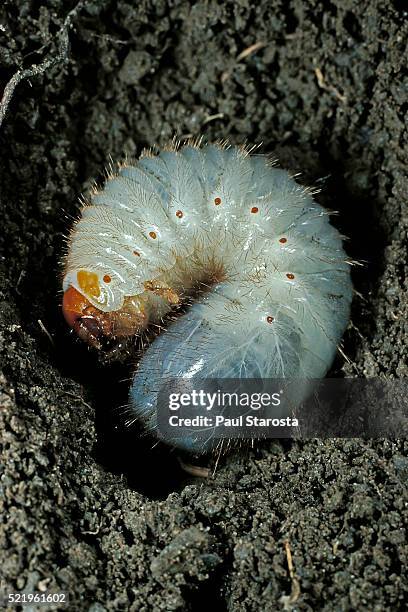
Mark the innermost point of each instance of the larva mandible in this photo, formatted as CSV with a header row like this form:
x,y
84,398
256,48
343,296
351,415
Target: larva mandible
x,y
214,215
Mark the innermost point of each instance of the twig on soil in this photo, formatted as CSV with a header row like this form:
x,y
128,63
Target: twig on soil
x,y
20,278
46,332
244,54
49,62
78,398
322,84
210,118
250,50
289,600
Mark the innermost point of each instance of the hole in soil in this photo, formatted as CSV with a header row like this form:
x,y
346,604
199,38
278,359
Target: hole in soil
x,y
292,22
401,6
149,467
352,26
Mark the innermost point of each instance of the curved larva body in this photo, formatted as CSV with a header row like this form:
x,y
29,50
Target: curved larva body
x,y
280,283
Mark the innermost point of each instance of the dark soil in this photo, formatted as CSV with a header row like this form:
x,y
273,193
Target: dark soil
x,y
88,506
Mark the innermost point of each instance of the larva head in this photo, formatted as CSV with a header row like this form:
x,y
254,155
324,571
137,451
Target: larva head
x,y
93,308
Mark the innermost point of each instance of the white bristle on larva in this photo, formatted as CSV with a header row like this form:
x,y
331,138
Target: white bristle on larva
x,y
279,280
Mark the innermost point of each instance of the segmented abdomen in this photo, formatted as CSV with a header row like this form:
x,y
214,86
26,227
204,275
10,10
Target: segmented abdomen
x,y
280,283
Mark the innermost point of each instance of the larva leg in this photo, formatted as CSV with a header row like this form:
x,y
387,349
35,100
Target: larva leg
x,y
194,470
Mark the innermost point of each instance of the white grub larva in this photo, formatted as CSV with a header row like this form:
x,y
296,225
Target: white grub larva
x,y
215,216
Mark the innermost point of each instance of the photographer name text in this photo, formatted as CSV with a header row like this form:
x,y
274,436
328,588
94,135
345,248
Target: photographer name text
x,y
248,420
